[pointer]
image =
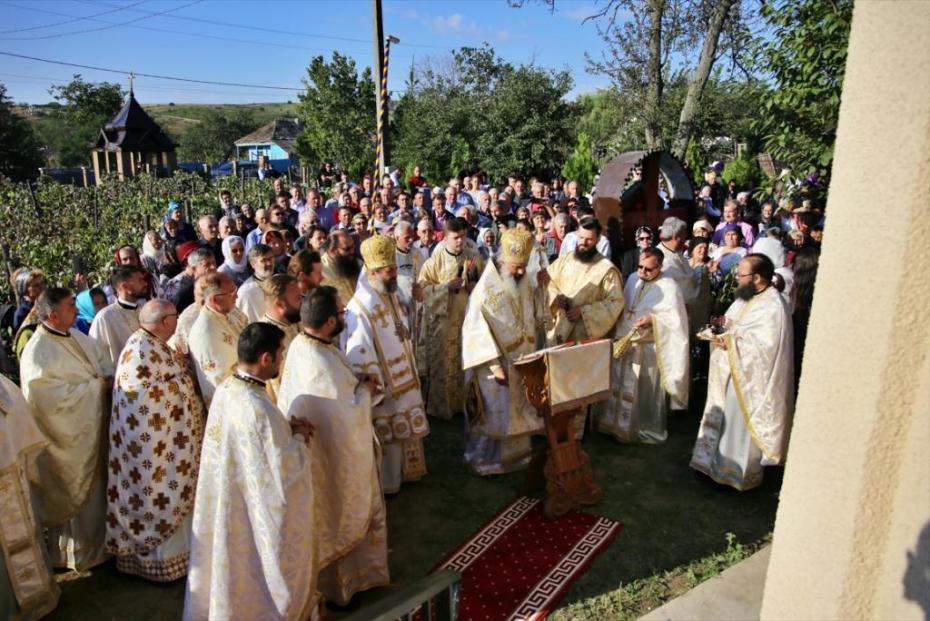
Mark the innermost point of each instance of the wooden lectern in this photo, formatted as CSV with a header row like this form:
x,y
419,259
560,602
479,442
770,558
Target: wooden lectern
x,y
561,382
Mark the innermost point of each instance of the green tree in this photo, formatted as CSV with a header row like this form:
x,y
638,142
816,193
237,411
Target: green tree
x,y
20,156
581,165
338,110
478,111
85,108
212,139
806,60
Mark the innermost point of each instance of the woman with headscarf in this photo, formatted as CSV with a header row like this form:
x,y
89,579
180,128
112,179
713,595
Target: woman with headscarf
x,y
235,262
28,283
89,302
185,232
730,252
153,253
487,243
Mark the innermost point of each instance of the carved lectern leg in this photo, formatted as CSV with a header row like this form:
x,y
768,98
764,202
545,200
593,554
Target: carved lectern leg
x,y
569,478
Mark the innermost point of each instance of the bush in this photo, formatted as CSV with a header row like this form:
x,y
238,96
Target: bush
x,y
744,171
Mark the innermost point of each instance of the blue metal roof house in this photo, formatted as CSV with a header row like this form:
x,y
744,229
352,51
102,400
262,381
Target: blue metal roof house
x,y
276,140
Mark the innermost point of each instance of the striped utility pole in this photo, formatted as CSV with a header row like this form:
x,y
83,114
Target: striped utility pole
x,y
382,51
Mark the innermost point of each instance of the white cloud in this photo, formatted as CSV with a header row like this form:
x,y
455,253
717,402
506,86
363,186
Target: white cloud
x,y
503,35
450,23
412,13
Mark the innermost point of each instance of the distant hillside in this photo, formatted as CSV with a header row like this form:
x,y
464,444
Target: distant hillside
x,y
177,118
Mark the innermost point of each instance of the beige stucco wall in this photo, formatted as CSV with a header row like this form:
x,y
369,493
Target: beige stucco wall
x,y
856,493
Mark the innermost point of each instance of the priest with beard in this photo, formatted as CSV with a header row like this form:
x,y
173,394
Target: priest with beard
x,y
447,279
113,325
253,544
585,290
282,309
750,388
500,326
319,384
379,344
657,322
340,267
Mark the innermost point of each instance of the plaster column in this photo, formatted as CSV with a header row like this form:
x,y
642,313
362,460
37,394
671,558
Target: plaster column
x,y
852,534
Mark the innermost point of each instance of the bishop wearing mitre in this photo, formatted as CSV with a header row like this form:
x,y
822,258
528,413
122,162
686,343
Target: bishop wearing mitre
x,y
652,374
379,344
318,384
500,326
66,379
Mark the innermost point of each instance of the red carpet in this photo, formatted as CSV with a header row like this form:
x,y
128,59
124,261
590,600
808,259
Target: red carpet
x,y
519,565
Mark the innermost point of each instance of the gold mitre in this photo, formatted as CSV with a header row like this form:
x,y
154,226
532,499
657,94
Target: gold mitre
x,y
516,246
378,252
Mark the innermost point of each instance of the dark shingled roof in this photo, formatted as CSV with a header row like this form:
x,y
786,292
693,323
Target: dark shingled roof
x,y
282,132
132,129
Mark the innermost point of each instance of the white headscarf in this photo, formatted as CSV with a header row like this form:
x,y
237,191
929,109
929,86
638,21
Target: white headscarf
x,y
148,250
241,266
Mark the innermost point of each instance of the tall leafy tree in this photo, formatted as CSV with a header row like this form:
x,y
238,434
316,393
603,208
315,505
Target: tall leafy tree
x,y
20,157
479,111
338,110
806,60
85,108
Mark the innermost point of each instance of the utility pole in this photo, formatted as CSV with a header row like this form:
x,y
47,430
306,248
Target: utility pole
x,y
380,103
382,59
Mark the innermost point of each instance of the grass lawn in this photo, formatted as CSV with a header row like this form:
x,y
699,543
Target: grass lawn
x,y
675,534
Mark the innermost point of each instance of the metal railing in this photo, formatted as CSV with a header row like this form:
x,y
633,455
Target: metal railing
x,y
434,598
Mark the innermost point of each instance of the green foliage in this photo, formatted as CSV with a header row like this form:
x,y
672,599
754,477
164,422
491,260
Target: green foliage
x,y
581,165
20,157
485,113
212,139
91,222
806,59
744,170
338,109
85,108
728,109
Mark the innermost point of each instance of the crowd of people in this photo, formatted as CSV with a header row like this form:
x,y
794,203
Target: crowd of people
x,y
234,403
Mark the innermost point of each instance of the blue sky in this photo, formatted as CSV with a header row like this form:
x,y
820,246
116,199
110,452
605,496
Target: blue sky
x,y
275,43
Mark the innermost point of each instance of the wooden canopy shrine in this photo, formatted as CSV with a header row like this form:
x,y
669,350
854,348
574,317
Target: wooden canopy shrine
x,y
132,142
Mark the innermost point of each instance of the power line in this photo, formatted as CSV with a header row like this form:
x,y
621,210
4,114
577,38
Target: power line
x,y
276,31
149,75
107,27
181,32
74,19
37,79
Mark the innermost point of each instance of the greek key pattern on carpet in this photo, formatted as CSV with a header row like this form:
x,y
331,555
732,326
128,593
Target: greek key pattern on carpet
x,y
537,602
489,534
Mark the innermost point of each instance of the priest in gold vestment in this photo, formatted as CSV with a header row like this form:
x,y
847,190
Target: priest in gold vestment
x,y
500,326
66,379
115,323
379,344
750,388
213,337
447,279
318,384
282,309
340,267
585,290
655,367
254,546
156,428
27,589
